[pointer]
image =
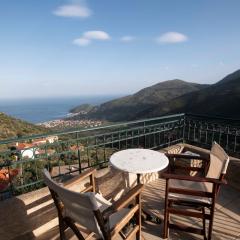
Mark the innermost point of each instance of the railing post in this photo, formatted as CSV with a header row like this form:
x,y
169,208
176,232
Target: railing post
x,y
183,131
227,138
144,132
104,149
78,154
96,150
10,180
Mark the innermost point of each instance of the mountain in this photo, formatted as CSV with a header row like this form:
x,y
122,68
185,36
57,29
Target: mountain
x,y
11,127
219,99
231,77
175,96
84,108
127,108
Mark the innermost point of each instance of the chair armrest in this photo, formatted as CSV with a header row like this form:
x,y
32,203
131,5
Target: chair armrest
x,y
122,222
197,169
123,201
80,177
193,179
186,156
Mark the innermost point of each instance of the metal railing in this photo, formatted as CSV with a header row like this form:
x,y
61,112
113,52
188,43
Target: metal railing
x,y
76,150
202,130
73,151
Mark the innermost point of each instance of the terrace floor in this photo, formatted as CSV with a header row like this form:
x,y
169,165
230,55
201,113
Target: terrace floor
x,y
226,223
33,215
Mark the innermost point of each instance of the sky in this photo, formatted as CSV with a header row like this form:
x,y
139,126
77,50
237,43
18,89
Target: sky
x,y
62,48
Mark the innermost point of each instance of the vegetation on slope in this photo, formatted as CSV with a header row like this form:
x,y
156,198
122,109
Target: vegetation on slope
x,y
85,108
219,99
11,127
129,107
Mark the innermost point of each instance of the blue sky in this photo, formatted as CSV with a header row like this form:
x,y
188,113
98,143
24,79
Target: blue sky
x,y
76,48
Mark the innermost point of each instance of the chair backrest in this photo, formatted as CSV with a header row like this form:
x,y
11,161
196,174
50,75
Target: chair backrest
x,y
218,162
80,206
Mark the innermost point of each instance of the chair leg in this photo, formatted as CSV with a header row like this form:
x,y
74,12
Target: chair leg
x,y
139,217
166,223
211,223
204,223
74,228
62,227
166,213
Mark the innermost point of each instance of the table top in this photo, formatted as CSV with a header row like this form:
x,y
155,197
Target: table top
x,y
139,161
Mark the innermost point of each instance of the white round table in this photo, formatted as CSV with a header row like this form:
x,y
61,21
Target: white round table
x,y
139,161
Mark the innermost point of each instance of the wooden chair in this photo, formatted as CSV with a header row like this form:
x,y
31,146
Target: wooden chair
x,y
93,212
193,195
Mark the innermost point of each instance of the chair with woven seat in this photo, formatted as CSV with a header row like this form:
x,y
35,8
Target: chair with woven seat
x,y
92,211
191,196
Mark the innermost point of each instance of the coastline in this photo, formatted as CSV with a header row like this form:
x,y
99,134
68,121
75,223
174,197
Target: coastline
x,y
67,124
39,110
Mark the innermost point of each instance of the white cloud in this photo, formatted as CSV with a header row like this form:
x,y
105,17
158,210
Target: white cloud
x,y
75,10
127,39
98,35
82,42
172,37
88,37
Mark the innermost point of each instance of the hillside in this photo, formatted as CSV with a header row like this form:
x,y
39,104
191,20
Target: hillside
x,y
127,108
231,77
220,99
84,108
11,127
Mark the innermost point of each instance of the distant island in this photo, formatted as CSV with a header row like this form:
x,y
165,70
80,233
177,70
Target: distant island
x,y
168,97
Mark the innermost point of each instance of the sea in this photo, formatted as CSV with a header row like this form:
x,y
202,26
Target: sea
x,y
42,110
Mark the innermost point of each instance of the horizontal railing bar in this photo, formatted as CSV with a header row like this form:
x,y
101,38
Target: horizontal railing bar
x,y
165,144
212,117
132,129
55,144
109,133
29,184
36,159
89,129
132,137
